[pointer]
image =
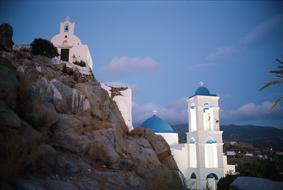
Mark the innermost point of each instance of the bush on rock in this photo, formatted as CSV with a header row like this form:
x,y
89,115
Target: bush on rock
x,y
43,47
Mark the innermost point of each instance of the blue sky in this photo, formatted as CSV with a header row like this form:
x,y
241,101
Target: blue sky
x,y
162,49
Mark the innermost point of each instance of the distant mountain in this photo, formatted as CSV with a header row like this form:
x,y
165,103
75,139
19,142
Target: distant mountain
x,y
257,135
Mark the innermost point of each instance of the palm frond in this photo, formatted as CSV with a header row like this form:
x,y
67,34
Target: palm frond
x,y
271,83
277,71
279,61
276,102
279,76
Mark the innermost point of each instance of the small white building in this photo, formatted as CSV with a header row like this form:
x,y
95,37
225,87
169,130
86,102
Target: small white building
x,y
70,47
231,153
123,100
201,159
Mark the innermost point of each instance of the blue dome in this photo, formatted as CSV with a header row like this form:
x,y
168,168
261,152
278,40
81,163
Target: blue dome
x,y
156,124
203,91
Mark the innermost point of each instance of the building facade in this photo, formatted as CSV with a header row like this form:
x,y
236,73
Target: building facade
x,y
201,159
69,46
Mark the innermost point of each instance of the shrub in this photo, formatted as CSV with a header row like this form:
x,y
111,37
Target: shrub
x,y
43,47
224,182
80,63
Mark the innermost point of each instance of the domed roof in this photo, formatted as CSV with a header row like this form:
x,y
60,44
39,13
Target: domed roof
x,y
203,91
157,124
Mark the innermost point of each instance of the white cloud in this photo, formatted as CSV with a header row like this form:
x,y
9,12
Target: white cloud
x,y
261,30
175,113
252,113
127,65
220,52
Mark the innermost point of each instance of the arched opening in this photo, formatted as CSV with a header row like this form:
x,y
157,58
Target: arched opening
x,y
208,117
193,117
66,28
193,181
210,152
193,175
211,181
193,153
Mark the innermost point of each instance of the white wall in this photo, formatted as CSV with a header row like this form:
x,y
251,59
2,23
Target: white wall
x,y
124,103
170,138
181,156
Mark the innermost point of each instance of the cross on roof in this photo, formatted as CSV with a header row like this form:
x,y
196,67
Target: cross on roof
x,y
68,18
154,112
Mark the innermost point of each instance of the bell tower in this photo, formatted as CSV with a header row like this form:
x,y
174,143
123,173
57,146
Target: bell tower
x,y
67,26
204,139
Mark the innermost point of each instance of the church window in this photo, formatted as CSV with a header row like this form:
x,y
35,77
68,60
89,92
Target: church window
x,y
193,175
193,153
66,28
193,117
211,181
66,36
192,140
208,117
210,151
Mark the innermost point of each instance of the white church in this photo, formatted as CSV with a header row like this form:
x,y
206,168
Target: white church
x,y
69,46
201,159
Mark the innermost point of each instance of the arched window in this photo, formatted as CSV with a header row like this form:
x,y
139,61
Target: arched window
x,y
192,140
208,117
192,184
193,175
210,140
210,153
66,28
211,181
212,175
193,153
193,117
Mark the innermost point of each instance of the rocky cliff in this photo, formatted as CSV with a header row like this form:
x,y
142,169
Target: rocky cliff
x,y
60,130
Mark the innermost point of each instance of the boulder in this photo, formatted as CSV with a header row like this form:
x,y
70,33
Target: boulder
x,y
67,134
35,99
158,144
8,82
6,34
105,147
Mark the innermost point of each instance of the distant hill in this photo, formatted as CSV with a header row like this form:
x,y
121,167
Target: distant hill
x,y
256,135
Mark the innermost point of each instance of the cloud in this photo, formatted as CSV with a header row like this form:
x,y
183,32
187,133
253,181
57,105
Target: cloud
x,y
261,30
252,113
174,113
220,52
127,65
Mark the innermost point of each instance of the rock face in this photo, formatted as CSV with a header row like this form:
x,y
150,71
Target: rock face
x,y
6,33
60,130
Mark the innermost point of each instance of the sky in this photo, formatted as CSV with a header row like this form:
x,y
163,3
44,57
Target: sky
x,y
162,49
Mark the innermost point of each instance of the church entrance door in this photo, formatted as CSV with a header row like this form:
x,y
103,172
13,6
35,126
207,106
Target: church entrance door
x,y
65,54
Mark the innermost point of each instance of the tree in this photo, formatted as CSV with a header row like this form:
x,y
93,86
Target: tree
x,y
279,75
43,47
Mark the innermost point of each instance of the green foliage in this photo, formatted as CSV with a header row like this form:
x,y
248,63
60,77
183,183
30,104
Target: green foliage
x,y
279,75
80,63
224,182
261,168
43,47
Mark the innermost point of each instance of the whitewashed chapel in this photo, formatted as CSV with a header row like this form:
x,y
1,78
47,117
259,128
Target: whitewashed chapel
x,y
70,47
